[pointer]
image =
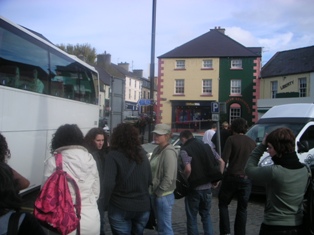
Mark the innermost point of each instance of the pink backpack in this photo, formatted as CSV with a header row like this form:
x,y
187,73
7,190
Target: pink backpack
x,y
54,206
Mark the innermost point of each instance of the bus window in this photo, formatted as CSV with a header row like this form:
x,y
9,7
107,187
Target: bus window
x,y
9,74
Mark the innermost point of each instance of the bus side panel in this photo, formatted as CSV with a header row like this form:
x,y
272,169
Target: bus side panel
x,y
28,120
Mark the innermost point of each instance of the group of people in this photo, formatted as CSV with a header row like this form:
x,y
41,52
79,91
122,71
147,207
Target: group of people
x,y
116,176
285,180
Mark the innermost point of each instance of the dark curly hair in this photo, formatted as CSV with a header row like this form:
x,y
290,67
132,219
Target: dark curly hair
x,y
239,126
9,190
89,138
4,149
282,139
68,134
125,138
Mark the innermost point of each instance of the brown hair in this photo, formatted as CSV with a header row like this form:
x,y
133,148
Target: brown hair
x,y
283,140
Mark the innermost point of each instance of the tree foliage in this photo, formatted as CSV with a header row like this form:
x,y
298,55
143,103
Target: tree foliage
x,y
85,51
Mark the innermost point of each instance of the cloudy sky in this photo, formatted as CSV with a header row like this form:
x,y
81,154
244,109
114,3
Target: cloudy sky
x,y
123,28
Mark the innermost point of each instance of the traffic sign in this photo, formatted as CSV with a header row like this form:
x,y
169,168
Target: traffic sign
x,y
215,117
144,102
215,107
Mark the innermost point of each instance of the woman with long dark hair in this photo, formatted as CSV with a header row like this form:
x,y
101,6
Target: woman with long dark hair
x,y
10,205
126,182
95,141
5,154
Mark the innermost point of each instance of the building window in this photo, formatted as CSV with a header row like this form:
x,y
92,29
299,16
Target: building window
x,y
207,64
144,95
129,93
148,95
274,89
207,86
179,87
180,64
236,64
235,87
134,95
130,81
135,83
235,112
302,87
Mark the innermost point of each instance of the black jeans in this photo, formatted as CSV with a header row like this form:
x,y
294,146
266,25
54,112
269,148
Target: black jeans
x,y
234,186
281,230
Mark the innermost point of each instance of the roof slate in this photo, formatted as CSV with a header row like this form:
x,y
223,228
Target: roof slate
x,y
105,72
212,44
104,76
294,61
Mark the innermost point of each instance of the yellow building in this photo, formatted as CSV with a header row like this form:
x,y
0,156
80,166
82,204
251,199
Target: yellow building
x,y
190,83
287,78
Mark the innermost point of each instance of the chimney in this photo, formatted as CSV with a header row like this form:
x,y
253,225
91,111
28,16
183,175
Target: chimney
x,y
124,65
138,72
222,30
103,59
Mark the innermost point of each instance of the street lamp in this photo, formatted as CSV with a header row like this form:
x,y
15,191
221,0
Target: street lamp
x,y
152,68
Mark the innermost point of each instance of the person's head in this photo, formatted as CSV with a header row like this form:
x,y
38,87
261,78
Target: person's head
x,y
185,136
225,125
68,134
213,126
239,126
162,134
125,137
4,149
95,139
9,190
280,141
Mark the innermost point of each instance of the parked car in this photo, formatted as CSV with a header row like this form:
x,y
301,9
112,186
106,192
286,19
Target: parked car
x,y
131,119
175,141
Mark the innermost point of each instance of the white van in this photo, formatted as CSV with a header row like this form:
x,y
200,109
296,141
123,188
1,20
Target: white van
x,y
299,117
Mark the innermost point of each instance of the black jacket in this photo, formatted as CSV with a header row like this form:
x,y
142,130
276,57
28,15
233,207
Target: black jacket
x,y
202,161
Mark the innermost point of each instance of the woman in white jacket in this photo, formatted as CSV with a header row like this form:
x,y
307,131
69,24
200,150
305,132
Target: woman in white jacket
x,y
81,166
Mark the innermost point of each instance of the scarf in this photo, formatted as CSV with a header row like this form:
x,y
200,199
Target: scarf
x,y
288,160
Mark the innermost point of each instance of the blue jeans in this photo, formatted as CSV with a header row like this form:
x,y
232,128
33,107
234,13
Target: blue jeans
x,y
162,207
199,201
234,186
126,222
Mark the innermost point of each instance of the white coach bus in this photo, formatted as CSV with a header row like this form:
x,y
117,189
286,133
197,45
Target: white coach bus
x,y
41,88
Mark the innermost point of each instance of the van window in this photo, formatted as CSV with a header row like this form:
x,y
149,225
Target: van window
x,y
308,135
258,131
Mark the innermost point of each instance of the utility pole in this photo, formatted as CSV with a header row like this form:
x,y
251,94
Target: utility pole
x,y
152,71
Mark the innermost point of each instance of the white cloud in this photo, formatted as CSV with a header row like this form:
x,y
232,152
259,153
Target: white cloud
x,y
246,38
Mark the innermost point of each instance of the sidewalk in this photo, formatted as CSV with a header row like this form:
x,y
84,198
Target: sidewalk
x,y
254,218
